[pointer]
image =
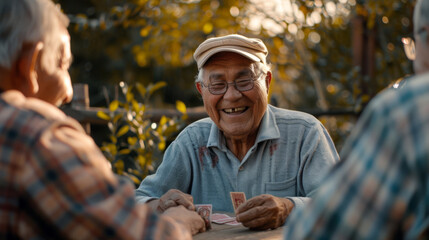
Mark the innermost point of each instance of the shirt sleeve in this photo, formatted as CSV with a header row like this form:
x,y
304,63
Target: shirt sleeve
x,y
318,156
367,194
69,185
175,166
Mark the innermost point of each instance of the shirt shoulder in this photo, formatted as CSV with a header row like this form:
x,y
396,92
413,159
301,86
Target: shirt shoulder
x,y
24,119
286,116
200,127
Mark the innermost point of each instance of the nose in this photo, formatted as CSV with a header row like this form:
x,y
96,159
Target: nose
x,y
231,92
69,90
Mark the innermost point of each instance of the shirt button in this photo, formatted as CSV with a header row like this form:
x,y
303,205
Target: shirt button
x,y
241,168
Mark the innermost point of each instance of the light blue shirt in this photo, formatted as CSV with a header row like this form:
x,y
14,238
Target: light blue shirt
x,y
291,155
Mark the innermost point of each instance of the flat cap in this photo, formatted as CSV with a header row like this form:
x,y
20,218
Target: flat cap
x,y
252,48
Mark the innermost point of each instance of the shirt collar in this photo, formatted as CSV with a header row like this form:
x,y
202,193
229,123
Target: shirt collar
x,y
267,130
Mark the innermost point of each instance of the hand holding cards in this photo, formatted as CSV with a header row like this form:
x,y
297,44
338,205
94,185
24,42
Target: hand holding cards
x,y
205,211
237,199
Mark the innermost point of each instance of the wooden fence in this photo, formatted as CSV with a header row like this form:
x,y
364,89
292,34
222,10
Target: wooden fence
x,y
80,110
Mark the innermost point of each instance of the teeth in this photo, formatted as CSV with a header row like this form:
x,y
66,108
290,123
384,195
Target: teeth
x,y
232,110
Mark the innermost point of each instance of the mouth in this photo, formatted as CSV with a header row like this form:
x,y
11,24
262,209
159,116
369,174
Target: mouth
x,y
235,110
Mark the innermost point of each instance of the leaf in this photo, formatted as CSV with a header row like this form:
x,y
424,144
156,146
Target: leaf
x,y
141,89
161,145
124,151
157,86
132,140
113,139
119,165
103,115
181,107
135,105
134,179
116,118
207,28
163,121
123,131
129,96
141,160
113,105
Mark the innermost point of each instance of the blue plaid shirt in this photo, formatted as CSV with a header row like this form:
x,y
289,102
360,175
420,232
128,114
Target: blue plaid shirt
x,y
380,189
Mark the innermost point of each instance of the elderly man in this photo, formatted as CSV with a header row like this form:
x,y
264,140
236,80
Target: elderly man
x,y
275,156
54,182
381,188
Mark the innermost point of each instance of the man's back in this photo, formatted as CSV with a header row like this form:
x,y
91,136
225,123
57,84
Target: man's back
x,y
380,189
49,187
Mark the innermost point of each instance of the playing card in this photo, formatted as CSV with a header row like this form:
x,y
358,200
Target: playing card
x,y
233,223
220,218
237,199
205,211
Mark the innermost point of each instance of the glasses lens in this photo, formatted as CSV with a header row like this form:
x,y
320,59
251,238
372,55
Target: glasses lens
x,y
409,48
244,85
217,87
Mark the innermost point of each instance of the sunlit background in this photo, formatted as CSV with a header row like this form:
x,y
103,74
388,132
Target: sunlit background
x,y
329,58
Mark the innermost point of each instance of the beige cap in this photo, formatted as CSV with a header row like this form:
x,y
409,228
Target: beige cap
x,y
252,48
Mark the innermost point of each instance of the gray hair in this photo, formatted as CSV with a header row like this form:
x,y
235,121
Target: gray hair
x,y
257,66
29,21
421,14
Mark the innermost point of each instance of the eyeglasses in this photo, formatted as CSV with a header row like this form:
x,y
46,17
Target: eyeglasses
x,y
410,46
242,85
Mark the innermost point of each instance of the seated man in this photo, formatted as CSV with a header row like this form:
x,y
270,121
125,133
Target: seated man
x,y
54,181
380,190
277,157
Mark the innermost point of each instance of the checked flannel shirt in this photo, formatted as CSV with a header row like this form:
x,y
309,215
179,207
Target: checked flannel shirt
x,y
56,184
380,189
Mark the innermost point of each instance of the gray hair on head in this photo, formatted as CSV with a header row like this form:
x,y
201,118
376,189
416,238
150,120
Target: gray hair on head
x,y
28,22
421,14
257,68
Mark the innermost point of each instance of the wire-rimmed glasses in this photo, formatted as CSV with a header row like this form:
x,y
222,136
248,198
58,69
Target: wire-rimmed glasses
x,y
242,85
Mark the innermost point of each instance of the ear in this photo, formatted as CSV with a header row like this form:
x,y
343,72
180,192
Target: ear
x,y
28,80
268,80
198,86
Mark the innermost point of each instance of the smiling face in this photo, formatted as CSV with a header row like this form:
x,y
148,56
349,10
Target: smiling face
x,y
237,114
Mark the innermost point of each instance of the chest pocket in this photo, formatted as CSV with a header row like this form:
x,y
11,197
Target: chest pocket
x,y
281,189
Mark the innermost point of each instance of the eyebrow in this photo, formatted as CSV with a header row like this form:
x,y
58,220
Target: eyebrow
x,y
241,73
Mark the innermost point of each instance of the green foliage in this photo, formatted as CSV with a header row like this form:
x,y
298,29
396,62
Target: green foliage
x,y
136,142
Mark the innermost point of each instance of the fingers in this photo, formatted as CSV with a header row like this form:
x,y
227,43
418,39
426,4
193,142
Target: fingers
x,y
189,219
262,223
251,203
253,214
175,198
262,212
185,200
164,205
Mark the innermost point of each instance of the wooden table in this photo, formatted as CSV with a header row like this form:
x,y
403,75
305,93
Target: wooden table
x,y
225,232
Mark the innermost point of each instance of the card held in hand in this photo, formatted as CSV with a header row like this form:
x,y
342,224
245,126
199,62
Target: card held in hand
x,y
205,211
237,199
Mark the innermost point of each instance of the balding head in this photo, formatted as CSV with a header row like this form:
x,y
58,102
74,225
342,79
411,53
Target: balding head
x,y
28,22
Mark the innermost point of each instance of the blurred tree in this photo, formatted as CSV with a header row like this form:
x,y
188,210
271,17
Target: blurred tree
x,y
326,54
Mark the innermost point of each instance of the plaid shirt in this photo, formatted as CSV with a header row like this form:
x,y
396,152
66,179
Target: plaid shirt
x,y
55,183
380,189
